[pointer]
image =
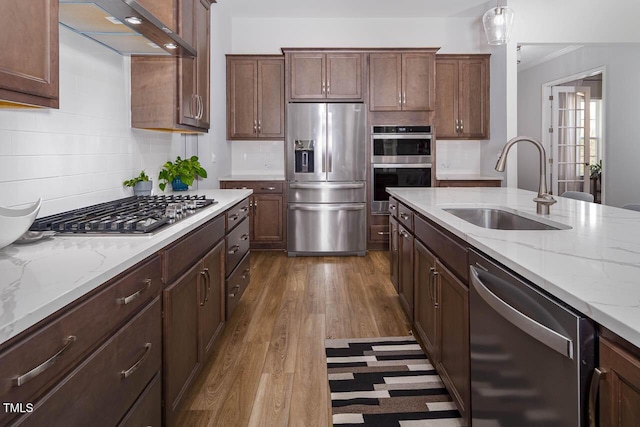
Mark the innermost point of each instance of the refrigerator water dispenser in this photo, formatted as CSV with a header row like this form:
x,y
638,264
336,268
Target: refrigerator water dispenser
x,y
304,149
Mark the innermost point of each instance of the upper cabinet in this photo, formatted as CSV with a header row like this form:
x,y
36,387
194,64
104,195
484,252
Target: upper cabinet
x,y
29,63
255,97
172,94
322,75
462,96
402,81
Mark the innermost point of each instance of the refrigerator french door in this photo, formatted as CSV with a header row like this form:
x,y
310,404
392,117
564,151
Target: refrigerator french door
x,y
326,170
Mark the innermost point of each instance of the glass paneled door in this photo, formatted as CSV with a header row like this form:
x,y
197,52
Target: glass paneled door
x,y
570,139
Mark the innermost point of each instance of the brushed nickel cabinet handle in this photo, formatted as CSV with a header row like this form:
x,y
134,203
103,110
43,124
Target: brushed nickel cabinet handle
x,y
404,98
234,249
598,374
234,217
235,290
200,112
255,206
400,98
245,208
259,126
436,276
244,237
135,295
383,233
255,127
392,207
268,188
208,288
404,216
204,288
127,373
244,273
328,88
24,378
461,126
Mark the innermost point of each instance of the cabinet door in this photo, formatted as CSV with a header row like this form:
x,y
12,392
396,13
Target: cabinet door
x,y
620,391
453,336
29,60
417,73
385,81
268,218
242,84
344,76
308,76
405,247
393,250
270,108
181,347
446,98
473,98
211,298
201,21
425,308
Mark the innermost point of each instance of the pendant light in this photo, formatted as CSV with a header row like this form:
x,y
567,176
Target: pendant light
x,y
497,24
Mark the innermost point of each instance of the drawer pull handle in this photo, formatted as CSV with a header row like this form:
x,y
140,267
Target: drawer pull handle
x,y
135,295
244,237
22,379
383,233
234,249
268,188
131,370
392,207
235,290
234,217
404,216
208,291
204,288
244,273
244,208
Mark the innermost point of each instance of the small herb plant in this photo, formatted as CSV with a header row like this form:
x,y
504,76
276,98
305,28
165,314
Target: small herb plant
x,y
133,181
187,170
596,169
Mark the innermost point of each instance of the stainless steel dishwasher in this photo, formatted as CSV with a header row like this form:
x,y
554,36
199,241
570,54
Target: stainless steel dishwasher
x,y
531,356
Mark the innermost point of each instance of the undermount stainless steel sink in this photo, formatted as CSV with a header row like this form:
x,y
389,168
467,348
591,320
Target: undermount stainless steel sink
x,y
502,219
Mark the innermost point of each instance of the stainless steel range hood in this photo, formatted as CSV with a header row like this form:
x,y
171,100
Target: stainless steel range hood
x,y
124,26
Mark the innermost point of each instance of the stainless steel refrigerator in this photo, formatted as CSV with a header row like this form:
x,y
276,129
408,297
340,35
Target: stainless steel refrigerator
x,y
326,172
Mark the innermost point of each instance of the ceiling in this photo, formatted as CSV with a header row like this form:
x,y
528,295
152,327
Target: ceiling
x,y
356,8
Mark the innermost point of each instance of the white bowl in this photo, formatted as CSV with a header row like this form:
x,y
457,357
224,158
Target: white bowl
x,y
14,222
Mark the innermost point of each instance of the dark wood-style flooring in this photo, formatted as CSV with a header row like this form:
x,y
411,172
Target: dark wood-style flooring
x,y
269,366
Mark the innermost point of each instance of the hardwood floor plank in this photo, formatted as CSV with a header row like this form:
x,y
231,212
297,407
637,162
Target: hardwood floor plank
x,y
283,341
273,399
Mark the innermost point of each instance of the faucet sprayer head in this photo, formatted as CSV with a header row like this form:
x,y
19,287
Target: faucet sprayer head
x,y
502,162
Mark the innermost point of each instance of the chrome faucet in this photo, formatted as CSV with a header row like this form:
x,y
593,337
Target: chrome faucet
x,y
544,199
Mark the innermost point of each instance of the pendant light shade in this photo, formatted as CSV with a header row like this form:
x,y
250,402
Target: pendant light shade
x,y
497,24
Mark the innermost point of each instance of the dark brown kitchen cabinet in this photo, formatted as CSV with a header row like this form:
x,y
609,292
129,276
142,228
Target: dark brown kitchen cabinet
x,y
45,357
172,94
193,316
620,386
255,97
402,81
319,75
405,272
394,250
267,213
462,96
425,306
29,63
470,183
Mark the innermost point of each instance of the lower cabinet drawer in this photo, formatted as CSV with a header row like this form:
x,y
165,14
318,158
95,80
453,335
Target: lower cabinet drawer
x,y
237,283
103,388
237,245
379,233
147,411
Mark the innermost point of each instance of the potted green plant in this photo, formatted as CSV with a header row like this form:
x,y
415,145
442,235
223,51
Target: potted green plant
x,y
596,177
141,184
181,173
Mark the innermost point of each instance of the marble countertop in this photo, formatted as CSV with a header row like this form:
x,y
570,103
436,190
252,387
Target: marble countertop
x,y
252,177
466,177
593,267
38,279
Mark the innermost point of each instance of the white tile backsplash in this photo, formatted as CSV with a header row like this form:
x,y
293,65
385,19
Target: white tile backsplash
x,y
254,157
458,157
80,154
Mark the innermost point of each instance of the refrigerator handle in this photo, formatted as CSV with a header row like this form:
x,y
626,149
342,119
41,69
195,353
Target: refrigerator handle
x,y
329,141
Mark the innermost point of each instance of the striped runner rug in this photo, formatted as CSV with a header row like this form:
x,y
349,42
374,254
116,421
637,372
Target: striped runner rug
x,y
386,382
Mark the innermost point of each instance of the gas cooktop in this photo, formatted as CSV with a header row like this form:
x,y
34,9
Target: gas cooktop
x,y
131,215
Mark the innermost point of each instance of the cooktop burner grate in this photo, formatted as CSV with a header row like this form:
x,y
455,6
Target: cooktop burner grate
x,y
131,215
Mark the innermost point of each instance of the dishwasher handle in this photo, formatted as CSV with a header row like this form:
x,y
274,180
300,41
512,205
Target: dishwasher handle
x,y
536,330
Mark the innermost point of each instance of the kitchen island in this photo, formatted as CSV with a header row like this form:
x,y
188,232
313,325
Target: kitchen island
x,y
40,278
592,267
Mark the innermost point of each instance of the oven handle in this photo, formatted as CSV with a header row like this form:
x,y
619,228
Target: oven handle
x,y
402,136
402,165
529,326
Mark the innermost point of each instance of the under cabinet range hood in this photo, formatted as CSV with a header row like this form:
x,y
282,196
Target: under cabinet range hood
x,y
123,26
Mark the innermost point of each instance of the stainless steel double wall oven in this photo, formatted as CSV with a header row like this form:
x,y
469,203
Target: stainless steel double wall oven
x,y
401,156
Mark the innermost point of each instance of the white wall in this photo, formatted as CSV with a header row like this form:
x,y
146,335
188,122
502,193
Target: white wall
x,y
622,110
81,153
453,35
